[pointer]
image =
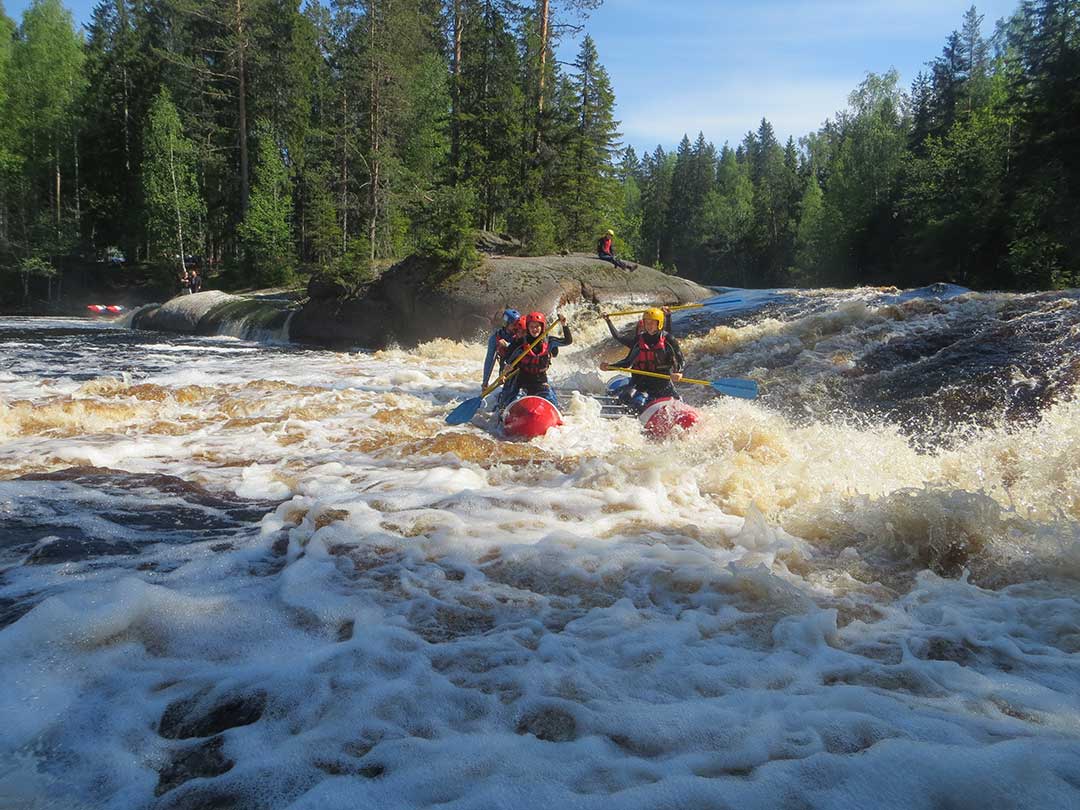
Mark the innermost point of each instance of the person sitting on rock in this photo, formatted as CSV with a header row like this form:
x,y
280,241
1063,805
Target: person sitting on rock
x,y
605,249
654,350
500,340
530,374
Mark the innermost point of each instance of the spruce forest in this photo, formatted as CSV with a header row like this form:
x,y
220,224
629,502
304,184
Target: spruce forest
x,y
276,142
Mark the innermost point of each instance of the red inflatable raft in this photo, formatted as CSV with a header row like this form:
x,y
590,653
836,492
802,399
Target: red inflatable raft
x,y
529,417
664,415
102,309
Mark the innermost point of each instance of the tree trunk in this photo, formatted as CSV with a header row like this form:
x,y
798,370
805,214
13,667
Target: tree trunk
x,y
176,204
56,165
455,98
344,171
78,197
242,107
373,181
545,11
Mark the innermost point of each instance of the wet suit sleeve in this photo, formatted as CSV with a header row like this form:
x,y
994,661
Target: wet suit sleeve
x,y
627,342
677,360
627,361
489,360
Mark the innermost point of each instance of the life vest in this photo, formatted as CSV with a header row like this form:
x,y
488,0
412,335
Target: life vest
x,y
655,358
604,245
535,363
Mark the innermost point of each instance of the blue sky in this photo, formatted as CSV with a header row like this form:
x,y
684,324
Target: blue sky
x,y
680,66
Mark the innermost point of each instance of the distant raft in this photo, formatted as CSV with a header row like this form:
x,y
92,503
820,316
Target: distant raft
x,y
104,309
664,415
529,417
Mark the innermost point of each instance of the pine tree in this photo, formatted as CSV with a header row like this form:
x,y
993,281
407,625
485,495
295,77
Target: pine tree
x,y
122,79
592,192
1045,246
490,105
729,223
658,170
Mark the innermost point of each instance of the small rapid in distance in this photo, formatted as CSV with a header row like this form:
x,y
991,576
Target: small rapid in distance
x,y
259,575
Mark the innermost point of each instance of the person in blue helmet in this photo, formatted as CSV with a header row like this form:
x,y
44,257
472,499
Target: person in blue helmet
x,y
500,341
530,377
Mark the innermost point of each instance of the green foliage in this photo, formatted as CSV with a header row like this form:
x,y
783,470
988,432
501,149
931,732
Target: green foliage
x,y
38,128
449,231
809,237
36,266
171,195
534,223
378,132
265,234
591,188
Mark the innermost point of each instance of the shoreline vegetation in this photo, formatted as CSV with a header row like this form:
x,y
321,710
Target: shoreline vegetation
x,y
277,143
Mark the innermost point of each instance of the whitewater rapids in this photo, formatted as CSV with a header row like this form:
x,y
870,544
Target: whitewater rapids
x,y
259,576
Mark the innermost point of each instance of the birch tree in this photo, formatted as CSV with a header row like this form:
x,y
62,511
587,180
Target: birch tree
x,y
173,203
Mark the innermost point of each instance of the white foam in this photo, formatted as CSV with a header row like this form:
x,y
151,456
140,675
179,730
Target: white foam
x,y
732,618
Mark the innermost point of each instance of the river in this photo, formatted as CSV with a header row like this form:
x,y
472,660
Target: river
x,y
244,575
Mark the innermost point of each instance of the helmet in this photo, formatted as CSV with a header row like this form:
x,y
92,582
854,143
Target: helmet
x,y
654,314
518,325
509,316
610,232
536,317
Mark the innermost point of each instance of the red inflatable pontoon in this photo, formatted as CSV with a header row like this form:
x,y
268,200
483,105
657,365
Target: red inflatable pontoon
x,y
529,417
663,415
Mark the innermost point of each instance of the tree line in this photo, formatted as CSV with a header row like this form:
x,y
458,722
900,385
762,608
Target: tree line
x,y
971,176
273,139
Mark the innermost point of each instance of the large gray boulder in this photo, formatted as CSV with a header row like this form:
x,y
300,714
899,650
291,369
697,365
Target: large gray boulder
x,y
414,301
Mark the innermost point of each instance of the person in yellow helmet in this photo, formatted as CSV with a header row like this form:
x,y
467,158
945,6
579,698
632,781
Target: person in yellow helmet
x,y
655,350
605,249
629,340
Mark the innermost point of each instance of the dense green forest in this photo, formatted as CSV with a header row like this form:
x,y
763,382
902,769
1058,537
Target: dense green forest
x,y
276,141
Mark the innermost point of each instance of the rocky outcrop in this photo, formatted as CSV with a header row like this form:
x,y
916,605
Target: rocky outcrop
x,y
218,313
414,301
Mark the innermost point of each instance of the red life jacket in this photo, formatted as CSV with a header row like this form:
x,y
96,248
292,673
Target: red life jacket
x,y
605,245
655,358
535,363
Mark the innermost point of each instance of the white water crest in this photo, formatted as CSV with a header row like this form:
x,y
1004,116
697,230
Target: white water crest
x,y
263,576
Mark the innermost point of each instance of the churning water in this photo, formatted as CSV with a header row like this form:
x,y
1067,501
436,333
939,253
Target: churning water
x,y
236,575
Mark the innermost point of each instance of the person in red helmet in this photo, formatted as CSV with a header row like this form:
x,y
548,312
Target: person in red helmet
x,y
531,377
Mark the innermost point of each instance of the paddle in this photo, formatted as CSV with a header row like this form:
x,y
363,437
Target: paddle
x,y
467,410
732,386
679,306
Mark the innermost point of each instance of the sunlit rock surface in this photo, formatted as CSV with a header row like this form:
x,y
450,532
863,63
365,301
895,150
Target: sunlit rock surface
x,y
412,302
